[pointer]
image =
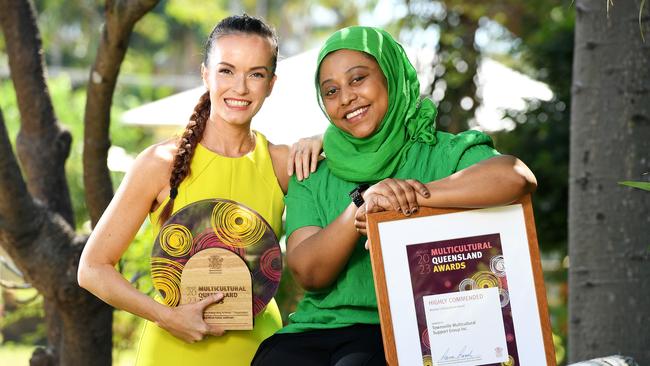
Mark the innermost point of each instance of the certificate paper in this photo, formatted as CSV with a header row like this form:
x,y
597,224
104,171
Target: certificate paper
x,y
455,319
461,298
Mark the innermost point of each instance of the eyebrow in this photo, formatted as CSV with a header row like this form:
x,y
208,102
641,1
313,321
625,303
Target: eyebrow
x,y
347,72
251,69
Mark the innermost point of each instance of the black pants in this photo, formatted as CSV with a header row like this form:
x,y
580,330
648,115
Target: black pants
x,y
357,345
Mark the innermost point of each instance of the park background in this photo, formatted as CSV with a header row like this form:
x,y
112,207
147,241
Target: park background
x,y
457,42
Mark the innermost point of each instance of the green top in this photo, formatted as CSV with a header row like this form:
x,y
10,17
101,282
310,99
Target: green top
x,y
320,199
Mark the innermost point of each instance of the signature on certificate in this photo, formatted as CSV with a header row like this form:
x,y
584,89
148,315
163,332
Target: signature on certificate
x,y
464,354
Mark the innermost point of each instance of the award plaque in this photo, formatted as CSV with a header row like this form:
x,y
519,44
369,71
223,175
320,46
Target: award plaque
x,y
213,246
461,287
219,270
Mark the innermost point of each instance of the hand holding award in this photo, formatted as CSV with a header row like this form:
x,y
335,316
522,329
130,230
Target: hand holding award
x,y
214,246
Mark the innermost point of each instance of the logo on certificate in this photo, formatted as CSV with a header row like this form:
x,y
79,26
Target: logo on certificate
x,y
498,352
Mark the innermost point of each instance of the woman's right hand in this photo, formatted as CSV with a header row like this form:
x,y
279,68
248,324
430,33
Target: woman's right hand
x,y
390,194
398,194
186,321
304,156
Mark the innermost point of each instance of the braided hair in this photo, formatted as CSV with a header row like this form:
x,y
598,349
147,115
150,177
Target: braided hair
x,y
236,24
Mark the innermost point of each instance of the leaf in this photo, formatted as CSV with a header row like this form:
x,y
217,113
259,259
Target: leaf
x,y
641,13
610,3
641,185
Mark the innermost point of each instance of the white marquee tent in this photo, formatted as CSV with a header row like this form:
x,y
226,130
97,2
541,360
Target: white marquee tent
x,y
292,112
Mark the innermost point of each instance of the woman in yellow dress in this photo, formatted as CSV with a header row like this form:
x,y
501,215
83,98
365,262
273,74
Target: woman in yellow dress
x,y
217,156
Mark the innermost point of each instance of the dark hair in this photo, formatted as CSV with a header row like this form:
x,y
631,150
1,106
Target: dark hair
x,y
236,24
241,24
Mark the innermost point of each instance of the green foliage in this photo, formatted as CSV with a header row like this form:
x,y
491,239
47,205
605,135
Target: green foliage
x,y
21,317
456,59
9,109
640,185
69,30
15,354
541,135
555,278
134,266
153,27
541,139
69,104
204,14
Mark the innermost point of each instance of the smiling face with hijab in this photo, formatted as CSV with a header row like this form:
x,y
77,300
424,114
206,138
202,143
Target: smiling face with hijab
x,y
364,54
354,93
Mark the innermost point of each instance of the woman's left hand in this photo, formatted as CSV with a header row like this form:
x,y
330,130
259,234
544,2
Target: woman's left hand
x,y
304,156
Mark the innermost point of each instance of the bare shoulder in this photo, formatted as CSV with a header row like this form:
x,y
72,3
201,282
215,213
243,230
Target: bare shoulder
x,y
279,153
157,157
279,156
148,177
152,167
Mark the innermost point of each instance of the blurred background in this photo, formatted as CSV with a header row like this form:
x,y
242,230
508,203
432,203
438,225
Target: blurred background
x,y
503,67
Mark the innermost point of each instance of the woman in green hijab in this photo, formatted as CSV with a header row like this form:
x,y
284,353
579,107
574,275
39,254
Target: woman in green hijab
x,y
381,145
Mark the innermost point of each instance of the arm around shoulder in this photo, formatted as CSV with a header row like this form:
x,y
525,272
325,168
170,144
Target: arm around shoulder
x,y
301,158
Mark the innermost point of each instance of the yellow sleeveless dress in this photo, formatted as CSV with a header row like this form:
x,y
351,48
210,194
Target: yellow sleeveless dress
x,y
249,180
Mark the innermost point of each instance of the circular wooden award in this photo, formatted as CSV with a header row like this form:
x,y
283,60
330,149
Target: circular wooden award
x,y
214,246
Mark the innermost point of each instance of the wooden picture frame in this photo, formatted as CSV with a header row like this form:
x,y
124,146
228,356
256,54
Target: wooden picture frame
x,y
390,233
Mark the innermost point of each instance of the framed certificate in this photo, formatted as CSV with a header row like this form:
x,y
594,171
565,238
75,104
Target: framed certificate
x,y
461,287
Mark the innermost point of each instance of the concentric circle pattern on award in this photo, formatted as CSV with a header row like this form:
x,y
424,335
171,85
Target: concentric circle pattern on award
x,y
216,224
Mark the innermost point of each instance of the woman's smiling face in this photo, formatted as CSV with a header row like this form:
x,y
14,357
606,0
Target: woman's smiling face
x,y
354,91
239,77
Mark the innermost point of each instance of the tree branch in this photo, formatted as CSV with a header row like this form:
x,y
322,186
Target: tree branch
x,y
121,17
38,241
40,134
17,209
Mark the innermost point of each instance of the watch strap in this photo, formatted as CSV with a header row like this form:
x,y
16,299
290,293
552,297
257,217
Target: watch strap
x,y
356,195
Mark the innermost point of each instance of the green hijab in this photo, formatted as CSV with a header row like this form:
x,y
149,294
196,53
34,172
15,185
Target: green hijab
x,y
408,118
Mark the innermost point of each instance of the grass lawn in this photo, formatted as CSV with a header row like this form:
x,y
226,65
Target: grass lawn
x,y
18,355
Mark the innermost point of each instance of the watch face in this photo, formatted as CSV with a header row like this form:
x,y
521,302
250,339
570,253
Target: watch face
x,y
356,196
357,199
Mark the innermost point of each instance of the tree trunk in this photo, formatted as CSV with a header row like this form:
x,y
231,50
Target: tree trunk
x,y
609,273
44,247
36,221
44,164
121,16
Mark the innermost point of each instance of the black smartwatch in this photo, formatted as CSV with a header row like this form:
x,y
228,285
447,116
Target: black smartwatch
x,y
356,195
